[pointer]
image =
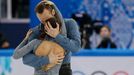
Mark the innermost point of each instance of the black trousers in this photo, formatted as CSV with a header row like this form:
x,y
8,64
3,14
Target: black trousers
x,y
65,70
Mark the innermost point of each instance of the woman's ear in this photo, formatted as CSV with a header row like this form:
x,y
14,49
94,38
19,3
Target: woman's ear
x,y
53,12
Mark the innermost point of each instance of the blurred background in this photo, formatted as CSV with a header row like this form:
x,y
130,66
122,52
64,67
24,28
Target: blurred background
x,y
106,27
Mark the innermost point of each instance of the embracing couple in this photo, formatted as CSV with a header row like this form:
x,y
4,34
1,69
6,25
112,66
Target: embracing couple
x,y
48,47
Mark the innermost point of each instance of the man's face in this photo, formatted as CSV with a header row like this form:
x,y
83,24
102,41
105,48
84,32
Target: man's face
x,y
44,16
105,32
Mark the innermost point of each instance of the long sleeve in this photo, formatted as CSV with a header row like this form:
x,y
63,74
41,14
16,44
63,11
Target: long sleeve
x,y
72,41
31,59
34,61
24,48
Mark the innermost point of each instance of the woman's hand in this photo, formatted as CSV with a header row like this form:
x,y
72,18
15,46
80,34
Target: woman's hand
x,y
28,34
53,32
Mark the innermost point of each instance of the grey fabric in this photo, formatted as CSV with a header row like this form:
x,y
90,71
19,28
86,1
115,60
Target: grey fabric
x,y
63,30
52,71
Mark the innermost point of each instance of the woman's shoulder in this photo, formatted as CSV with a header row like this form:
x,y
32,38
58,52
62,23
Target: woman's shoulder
x,y
36,28
35,31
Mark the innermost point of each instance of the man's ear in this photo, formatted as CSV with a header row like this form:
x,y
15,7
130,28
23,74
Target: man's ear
x,y
53,12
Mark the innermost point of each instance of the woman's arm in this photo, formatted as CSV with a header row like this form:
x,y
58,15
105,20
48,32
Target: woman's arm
x,y
24,48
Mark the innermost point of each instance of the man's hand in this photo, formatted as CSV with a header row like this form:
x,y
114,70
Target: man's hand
x,y
55,58
28,34
53,32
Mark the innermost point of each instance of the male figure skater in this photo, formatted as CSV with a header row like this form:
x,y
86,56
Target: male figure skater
x,y
71,43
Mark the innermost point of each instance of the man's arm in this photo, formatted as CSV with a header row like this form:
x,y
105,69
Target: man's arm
x,y
30,58
34,61
72,41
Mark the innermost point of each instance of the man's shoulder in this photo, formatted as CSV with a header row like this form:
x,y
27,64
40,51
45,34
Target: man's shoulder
x,y
69,20
70,23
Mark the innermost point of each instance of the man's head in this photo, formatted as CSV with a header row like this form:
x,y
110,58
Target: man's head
x,y
48,13
105,31
44,11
